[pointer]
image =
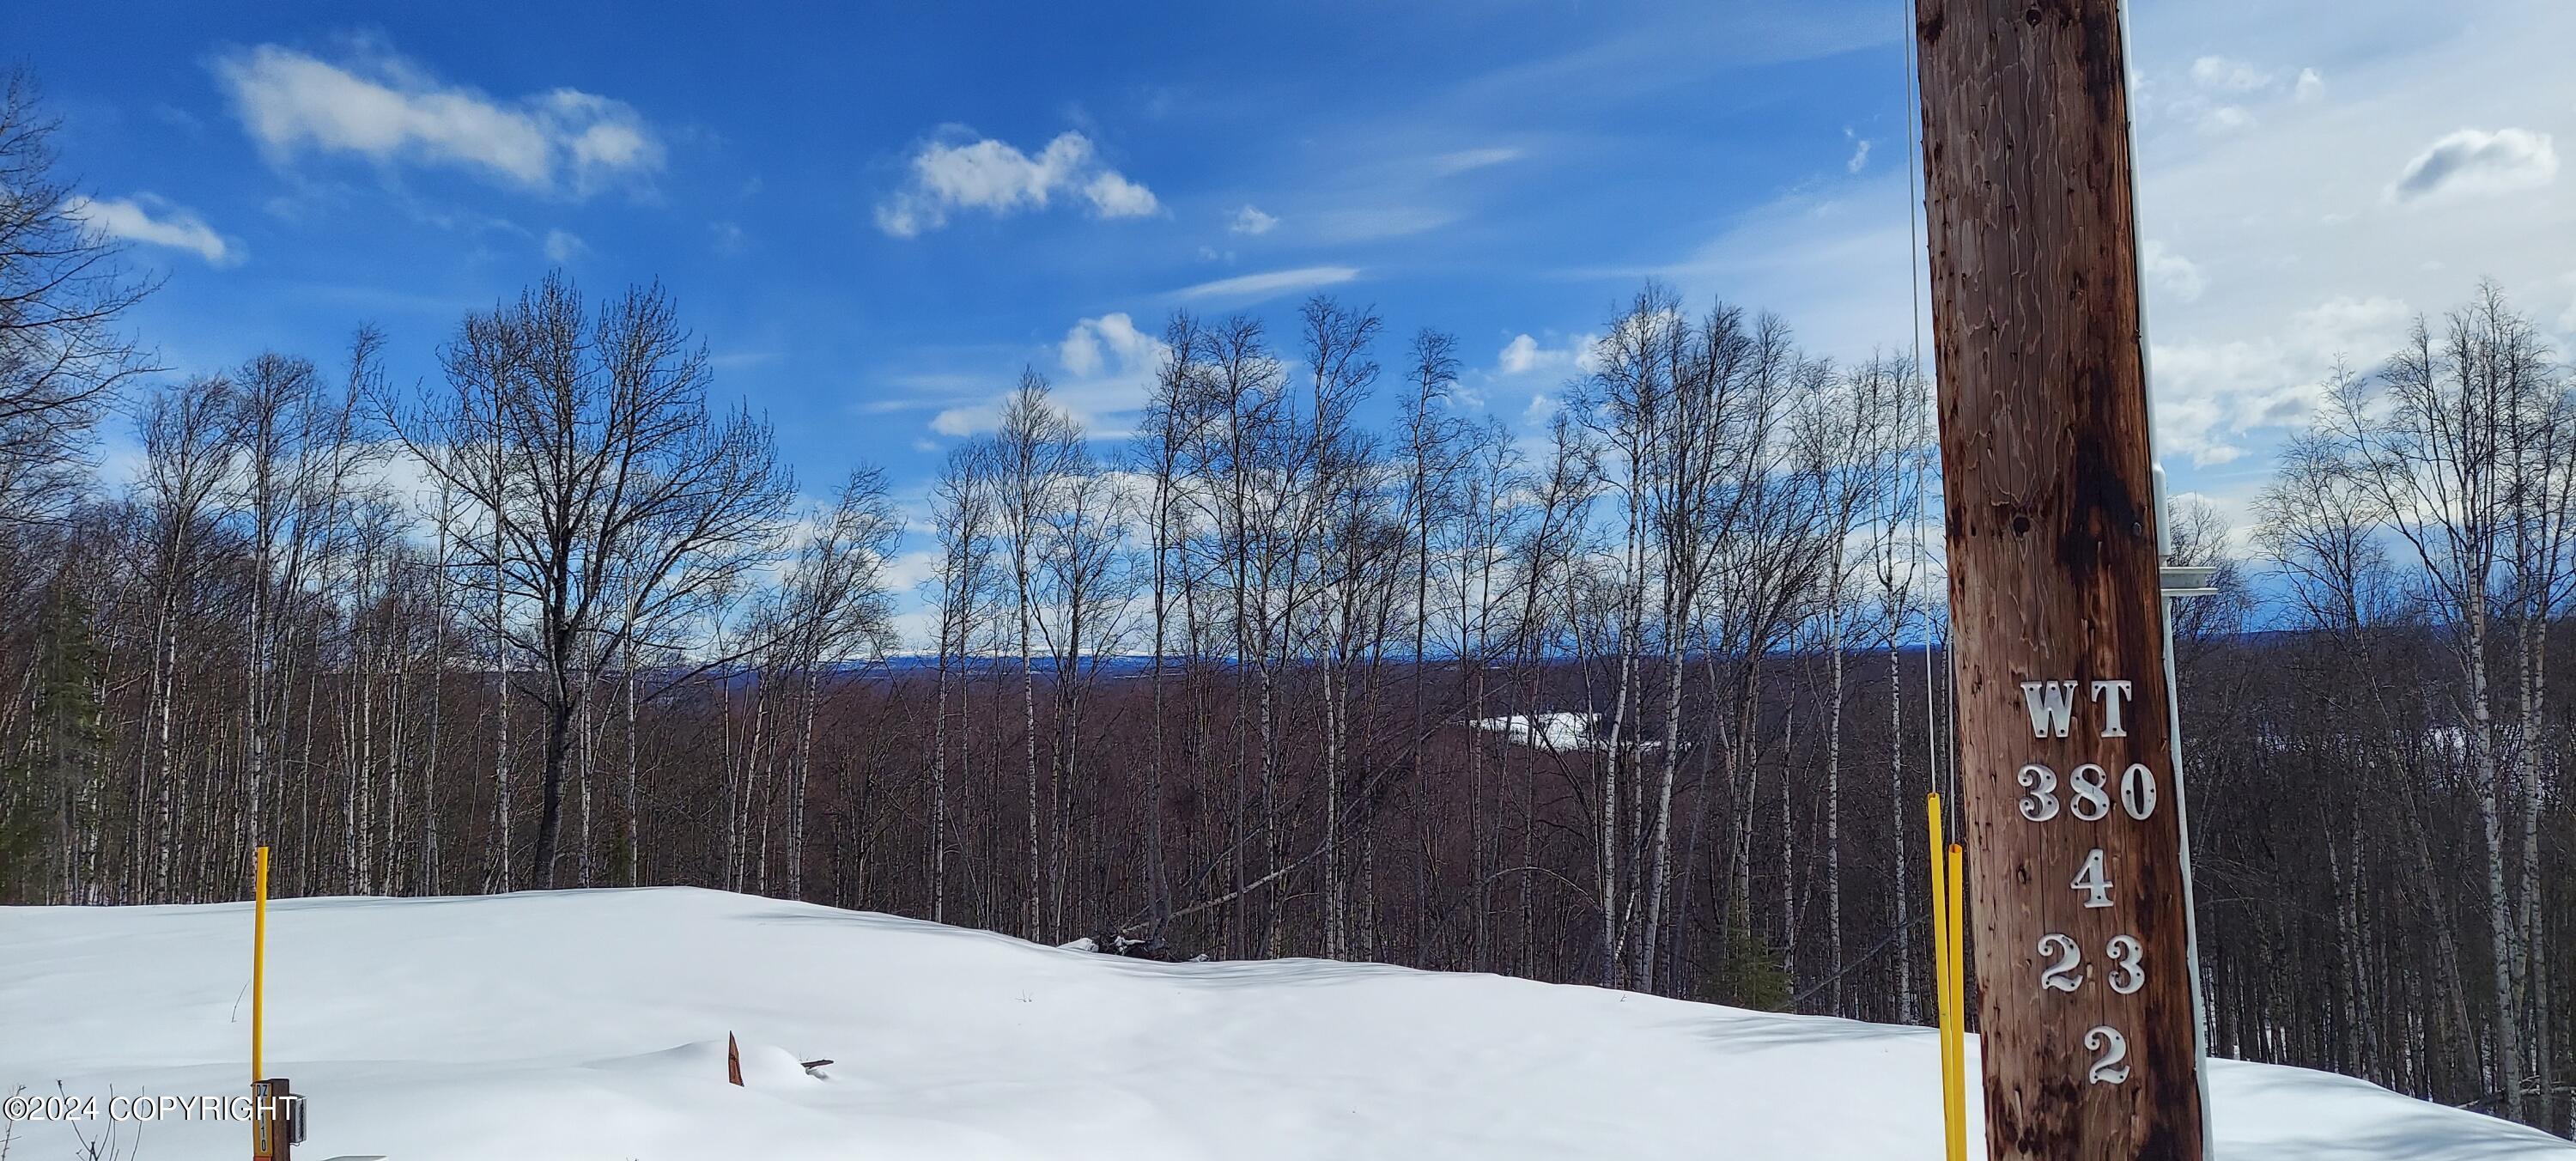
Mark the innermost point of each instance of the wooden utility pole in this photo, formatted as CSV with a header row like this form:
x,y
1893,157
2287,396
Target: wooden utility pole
x,y
2079,880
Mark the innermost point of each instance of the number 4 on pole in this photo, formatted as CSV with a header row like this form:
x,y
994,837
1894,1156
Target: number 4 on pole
x,y
2093,881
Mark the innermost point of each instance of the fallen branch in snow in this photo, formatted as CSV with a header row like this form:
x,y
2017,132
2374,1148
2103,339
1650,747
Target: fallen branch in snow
x,y
1853,964
1375,783
1285,870
1110,942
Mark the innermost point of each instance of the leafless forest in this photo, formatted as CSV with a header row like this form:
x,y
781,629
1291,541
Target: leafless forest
x,y
1318,660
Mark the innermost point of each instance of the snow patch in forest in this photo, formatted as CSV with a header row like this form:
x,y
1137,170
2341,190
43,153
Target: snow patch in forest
x,y
565,1026
1564,731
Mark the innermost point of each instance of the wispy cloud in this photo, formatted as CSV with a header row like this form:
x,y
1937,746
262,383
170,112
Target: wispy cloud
x,y
1373,223
2228,75
563,246
1272,283
2219,95
1463,160
389,110
154,221
2171,271
963,172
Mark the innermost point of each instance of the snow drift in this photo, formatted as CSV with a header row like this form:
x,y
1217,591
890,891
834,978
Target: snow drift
x,y
558,1026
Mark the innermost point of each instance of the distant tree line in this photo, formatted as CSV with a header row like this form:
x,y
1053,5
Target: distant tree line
x,y
1649,701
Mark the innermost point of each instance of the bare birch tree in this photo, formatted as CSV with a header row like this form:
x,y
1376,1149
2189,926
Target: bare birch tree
x,y
619,497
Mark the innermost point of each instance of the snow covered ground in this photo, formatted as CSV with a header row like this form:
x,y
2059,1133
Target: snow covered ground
x,y
1564,732
561,1026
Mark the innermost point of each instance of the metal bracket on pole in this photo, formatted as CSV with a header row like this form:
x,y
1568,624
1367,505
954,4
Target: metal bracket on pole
x,y
2187,580
2177,580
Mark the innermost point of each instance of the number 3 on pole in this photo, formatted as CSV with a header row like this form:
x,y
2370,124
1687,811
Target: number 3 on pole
x,y
2040,804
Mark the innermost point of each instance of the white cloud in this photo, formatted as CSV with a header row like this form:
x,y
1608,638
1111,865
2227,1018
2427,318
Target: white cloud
x,y
1860,153
610,137
996,177
1111,335
1104,371
2228,75
1250,220
1525,354
563,246
1271,283
908,571
1109,370
992,175
1461,161
154,221
965,421
2210,395
388,110
726,360
2225,119
727,237
2217,95
1116,197
2473,161
2306,249
2173,272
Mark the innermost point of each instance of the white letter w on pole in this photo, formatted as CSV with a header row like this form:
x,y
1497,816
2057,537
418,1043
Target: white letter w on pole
x,y
2052,706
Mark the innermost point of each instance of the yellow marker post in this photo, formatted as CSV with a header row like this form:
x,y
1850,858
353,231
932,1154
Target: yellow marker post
x,y
258,993
258,958
1952,1085
1958,1045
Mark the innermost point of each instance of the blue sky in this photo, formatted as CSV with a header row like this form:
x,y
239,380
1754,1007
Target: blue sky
x,y
875,216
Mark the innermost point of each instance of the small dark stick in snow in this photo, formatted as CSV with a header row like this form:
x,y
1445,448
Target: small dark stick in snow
x,y
733,1061
813,1068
